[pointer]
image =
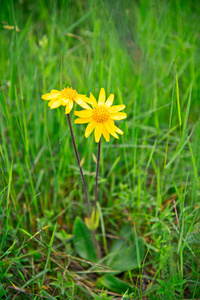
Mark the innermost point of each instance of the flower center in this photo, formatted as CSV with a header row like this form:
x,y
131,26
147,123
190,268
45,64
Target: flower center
x,y
100,114
69,93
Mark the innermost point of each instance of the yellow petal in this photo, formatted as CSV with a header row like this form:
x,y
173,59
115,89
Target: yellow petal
x,y
110,128
80,102
118,130
116,108
106,134
102,97
64,101
84,113
83,97
98,132
50,96
51,103
86,99
93,100
54,91
54,104
110,100
112,124
90,128
82,120
118,116
67,110
71,103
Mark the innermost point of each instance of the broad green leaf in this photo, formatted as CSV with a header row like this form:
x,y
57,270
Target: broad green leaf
x,y
126,259
114,284
123,252
127,238
83,242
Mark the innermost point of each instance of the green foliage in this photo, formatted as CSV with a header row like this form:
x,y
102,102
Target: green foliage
x,y
171,287
2,291
147,54
123,255
194,236
114,284
83,242
102,296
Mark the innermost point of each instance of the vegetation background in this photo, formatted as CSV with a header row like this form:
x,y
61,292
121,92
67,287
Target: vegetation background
x,y
147,54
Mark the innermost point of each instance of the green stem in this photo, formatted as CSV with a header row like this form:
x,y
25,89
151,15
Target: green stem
x,y
80,168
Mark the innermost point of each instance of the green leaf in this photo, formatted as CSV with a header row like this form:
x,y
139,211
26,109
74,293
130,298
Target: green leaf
x,y
102,296
127,238
2,291
83,242
113,166
126,259
194,236
123,252
114,284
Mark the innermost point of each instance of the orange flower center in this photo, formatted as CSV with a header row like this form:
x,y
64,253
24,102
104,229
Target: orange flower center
x,y
69,93
101,114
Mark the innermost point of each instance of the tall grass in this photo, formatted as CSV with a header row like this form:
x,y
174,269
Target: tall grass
x,y
147,54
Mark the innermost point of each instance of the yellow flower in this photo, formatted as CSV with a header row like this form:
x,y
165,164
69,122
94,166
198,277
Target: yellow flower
x,y
66,97
101,117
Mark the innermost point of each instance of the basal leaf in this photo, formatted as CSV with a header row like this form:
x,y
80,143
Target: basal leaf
x,y
126,258
83,242
114,284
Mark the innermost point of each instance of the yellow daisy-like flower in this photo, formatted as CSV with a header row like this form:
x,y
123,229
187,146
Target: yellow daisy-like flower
x,y
101,117
66,97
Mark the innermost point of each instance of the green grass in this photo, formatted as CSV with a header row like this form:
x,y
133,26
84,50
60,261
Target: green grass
x,y
147,54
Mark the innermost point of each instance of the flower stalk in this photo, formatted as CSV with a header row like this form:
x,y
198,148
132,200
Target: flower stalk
x,y
96,179
80,168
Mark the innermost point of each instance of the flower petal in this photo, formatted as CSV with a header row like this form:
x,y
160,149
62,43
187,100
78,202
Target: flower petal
x,y
86,99
54,91
90,128
71,103
64,101
93,100
111,129
80,102
102,97
51,103
67,110
82,120
118,116
98,132
116,108
106,134
84,113
54,104
110,100
118,130
51,96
